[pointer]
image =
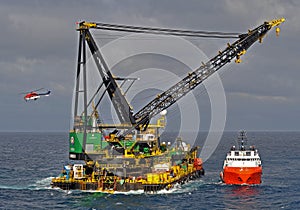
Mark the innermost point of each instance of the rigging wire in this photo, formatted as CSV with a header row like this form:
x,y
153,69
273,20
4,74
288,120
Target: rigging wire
x,y
164,31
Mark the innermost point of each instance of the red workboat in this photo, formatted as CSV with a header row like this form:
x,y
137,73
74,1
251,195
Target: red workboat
x,y
242,165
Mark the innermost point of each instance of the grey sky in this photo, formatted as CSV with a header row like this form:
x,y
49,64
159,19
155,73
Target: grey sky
x,y
39,49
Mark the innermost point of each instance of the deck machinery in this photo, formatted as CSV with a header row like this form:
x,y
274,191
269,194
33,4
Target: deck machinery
x,y
129,155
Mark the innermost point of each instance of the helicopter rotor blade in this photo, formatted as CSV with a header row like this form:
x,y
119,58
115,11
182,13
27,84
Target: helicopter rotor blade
x,y
31,91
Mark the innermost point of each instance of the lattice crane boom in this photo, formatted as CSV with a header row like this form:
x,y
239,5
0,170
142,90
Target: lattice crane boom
x,y
193,79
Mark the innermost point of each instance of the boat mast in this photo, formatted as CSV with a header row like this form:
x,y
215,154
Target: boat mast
x,y
242,140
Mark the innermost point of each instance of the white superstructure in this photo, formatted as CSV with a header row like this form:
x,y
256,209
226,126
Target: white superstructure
x,y
242,158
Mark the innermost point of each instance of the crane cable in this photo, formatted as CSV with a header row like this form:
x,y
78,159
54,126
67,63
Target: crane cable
x,y
164,31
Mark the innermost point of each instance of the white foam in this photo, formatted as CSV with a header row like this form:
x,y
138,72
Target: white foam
x,y
11,187
41,184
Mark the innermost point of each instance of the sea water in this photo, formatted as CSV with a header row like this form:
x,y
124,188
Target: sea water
x,y
30,160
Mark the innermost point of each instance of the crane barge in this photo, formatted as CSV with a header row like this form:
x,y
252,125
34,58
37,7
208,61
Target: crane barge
x,y
129,155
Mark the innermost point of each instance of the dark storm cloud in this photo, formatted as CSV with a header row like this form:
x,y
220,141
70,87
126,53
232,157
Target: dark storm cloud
x,y
39,45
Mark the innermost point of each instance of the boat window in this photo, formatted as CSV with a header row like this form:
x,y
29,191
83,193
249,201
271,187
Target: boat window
x,y
248,153
236,153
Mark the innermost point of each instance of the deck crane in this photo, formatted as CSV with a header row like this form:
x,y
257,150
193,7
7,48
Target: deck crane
x,y
141,118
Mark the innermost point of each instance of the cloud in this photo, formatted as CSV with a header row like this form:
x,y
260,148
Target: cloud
x,y
261,98
38,48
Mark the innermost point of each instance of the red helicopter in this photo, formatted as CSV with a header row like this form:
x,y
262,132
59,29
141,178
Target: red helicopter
x,y
34,95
